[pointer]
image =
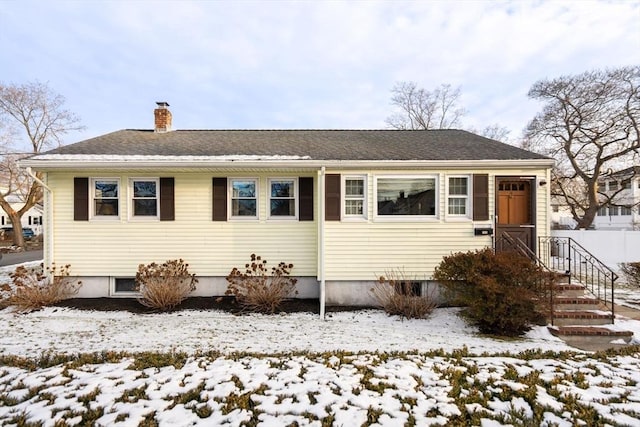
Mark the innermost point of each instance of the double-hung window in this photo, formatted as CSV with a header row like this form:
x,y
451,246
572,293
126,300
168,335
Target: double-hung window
x,y
144,198
105,194
458,196
411,196
355,201
282,198
244,198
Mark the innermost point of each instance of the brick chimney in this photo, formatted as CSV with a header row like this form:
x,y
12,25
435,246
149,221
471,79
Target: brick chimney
x,y
162,117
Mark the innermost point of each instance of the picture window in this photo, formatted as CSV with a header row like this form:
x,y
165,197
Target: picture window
x,y
406,196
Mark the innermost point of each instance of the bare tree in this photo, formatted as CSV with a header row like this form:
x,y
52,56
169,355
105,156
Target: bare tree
x,y
32,119
497,132
422,109
590,124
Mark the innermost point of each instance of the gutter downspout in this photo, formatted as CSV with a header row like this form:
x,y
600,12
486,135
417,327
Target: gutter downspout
x,y
321,247
48,217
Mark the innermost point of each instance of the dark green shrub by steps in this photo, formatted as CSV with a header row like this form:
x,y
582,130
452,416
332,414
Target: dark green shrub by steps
x,y
501,293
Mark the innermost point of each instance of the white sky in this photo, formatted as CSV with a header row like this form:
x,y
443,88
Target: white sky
x,y
320,64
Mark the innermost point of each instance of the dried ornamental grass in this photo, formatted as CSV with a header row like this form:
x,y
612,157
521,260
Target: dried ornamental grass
x,y
164,286
257,290
34,288
396,294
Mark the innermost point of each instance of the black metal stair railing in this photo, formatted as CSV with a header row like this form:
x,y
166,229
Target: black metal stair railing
x,y
566,255
507,243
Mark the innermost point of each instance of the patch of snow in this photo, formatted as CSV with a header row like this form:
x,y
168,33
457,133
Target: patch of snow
x,y
159,158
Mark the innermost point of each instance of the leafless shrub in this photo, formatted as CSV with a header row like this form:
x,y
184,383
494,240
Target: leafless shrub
x,y
164,286
257,290
34,288
399,294
631,273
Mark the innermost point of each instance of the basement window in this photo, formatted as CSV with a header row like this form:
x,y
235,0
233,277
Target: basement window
x,y
124,286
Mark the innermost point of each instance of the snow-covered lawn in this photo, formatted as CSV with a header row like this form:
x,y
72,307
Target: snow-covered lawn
x,y
353,368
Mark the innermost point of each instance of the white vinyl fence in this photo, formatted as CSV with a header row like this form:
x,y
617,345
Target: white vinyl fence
x,y
610,246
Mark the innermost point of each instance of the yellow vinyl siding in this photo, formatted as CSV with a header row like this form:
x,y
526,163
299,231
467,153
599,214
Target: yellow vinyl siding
x,y
362,250
357,249
116,247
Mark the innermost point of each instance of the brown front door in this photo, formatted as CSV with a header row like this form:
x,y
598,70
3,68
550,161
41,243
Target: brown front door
x,y
514,212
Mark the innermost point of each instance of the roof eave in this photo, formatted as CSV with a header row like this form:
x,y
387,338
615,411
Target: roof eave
x,y
45,165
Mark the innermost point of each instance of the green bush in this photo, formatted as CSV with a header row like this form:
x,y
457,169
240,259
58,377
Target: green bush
x,y
257,290
631,273
501,293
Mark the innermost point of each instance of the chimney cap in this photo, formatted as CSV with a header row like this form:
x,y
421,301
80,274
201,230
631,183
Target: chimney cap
x,y
162,104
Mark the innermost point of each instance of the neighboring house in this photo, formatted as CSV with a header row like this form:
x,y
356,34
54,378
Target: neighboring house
x,y
32,218
343,206
561,218
624,213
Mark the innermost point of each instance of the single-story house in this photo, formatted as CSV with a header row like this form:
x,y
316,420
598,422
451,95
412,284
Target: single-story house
x,y
343,206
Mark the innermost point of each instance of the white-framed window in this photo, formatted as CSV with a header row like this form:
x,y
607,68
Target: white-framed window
x,y
613,211
145,198
406,196
354,196
123,286
283,193
244,198
105,198
613,185
625,210
458,196
602,211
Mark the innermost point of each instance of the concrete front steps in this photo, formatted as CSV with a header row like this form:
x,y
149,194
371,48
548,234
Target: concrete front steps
x,y
582,321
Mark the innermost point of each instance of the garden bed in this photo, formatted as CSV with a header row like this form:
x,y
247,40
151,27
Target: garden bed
x,y
294,305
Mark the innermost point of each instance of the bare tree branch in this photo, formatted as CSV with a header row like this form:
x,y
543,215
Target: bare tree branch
x,y
34,111
589,124
419,109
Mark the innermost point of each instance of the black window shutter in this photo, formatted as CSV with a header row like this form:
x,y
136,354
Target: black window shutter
x,y
332,197
306,198
219,199
80,199
167,199
480,197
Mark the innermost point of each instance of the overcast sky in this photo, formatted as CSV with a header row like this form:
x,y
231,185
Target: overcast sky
x,y
311,64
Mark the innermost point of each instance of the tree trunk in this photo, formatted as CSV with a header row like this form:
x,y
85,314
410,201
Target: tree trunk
x,y
14,217
587,219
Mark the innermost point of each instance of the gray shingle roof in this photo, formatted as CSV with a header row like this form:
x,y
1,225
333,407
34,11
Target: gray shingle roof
x,y
314,144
